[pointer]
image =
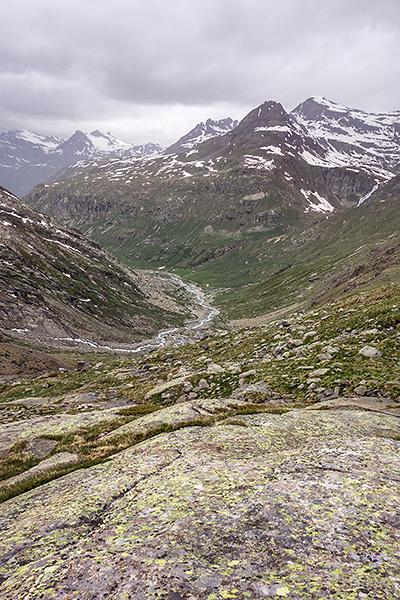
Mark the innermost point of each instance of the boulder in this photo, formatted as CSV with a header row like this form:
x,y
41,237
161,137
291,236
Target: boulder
x,y
370,352
214,369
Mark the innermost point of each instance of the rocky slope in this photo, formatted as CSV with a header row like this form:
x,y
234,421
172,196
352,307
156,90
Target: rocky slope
x,y
54,283
27,158
200,133
256,463
351,137
358,248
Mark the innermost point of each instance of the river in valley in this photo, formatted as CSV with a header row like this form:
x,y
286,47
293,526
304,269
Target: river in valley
x,y
175,336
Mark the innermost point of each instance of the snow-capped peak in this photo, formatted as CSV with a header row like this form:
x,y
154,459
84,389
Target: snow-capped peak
x,y
27,158
350,137
47,143
202,132
106,142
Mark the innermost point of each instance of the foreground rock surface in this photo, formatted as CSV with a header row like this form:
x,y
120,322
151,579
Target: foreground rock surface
x,y
301,505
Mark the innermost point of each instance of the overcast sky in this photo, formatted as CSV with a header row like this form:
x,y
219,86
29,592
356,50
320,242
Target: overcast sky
x,y
151,69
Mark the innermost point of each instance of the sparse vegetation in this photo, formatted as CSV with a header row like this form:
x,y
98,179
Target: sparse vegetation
x,y
274,368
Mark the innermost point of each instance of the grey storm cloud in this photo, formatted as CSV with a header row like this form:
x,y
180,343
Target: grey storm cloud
x,y
120,62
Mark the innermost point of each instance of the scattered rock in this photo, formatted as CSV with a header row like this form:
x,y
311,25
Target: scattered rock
x,y
360,390
309,334
370,352
330,349
203,384
279,348
248,373
293,343
40,447
319,372
162,387
214,369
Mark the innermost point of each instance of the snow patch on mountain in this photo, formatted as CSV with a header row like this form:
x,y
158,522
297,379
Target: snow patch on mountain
x,y
280,128
47,143
202,132
350,137
273,150
105,142
364,198
258,162
322,205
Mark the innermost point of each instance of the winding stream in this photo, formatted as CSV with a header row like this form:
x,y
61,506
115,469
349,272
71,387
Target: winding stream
x,y
169,337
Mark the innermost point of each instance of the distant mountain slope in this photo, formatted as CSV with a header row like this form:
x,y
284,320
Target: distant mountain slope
x,y
27,158
228,210
357,249
351,137
200,133
55,283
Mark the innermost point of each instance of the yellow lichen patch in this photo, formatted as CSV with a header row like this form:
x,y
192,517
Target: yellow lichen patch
x,y
299,504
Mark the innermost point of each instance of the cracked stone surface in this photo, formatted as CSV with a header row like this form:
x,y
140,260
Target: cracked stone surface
x,y
51,425
300,506
174,415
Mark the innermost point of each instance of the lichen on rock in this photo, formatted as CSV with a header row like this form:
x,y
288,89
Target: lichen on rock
x,y
302,505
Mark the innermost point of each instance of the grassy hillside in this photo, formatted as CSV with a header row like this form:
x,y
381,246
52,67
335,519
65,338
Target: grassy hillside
x,y
355,249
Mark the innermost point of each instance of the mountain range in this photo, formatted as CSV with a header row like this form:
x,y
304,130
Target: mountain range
x,y
230,204
28,158
261,459
218,209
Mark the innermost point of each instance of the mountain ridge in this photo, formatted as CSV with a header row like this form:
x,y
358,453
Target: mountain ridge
x,y
352,137
265,176
201,132
27,158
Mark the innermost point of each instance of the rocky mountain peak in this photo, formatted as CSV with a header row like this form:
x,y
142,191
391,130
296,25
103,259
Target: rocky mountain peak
x,y
318,106
78,142
98,133
268,113
201,132
352,137
28,158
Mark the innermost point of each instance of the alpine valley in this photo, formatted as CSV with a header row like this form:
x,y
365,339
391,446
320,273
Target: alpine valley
x,y
200,361
282,208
